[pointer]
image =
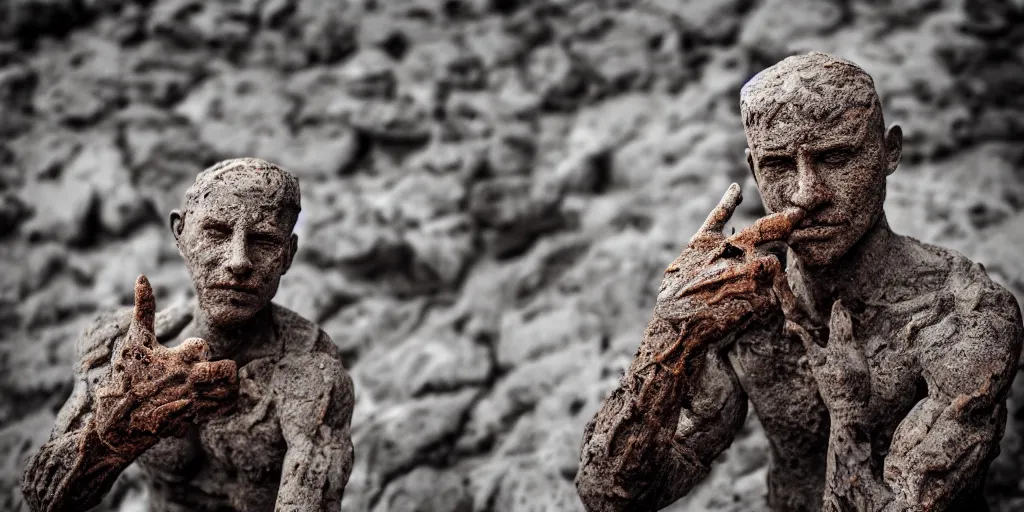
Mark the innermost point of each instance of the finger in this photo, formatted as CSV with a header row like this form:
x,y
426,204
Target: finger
x,y
772,228
721,214
205,409
145,305
815,353
215,373
193,350
162,417
159,379
840,325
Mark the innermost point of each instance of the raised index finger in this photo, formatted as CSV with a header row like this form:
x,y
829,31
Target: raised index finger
x,y
772,228
723,211
144,314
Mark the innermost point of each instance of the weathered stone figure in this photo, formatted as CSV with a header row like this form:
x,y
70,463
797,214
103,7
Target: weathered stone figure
x,y
878,365
273,435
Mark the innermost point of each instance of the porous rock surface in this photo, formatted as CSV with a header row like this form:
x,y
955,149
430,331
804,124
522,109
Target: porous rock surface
x,y
491,189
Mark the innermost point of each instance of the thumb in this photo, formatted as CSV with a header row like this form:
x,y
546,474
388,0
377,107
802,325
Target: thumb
x,y
815,354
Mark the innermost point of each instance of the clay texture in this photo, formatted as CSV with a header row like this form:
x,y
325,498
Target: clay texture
x,y
882,382
251,408
491,192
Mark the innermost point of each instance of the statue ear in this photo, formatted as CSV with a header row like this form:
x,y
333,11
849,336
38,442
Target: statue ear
x,y
177,224
750,162
292,249
893,147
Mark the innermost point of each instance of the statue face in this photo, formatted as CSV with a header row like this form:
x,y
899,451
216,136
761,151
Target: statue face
x,y
835,169
236,245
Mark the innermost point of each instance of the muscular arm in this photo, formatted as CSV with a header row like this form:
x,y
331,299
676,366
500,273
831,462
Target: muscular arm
x,y
637,454
74,469
315,399
945,444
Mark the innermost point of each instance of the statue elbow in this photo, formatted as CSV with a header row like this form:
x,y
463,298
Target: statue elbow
x,y
30,494
600,493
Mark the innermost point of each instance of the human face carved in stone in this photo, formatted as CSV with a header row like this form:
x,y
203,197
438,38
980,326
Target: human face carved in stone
x,y
237,243
835,169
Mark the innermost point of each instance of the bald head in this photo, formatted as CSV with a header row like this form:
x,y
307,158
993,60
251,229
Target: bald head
x,y
813,86
235,235
817,141
256,181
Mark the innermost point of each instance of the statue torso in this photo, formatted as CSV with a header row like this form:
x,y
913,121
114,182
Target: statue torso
x,y
776,376
230,463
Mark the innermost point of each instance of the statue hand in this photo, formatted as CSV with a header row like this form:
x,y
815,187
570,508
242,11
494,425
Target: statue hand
x,y
841,369
720,286
154,391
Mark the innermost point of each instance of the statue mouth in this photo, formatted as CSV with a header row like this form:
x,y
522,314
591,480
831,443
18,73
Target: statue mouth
x,y
820,221
815,232
248,290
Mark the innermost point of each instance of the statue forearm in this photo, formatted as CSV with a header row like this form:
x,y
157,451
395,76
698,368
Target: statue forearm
x,y
629,459
852,481
316,418
71,472
314,475
632,458
932,459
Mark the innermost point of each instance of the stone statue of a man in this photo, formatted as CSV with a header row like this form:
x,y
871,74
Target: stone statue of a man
x,y
878,365
233,404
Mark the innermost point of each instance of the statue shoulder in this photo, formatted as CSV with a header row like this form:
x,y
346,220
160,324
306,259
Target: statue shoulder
x,y
973,288
301,335
979,334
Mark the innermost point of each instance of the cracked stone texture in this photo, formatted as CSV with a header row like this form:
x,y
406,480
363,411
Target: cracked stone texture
x,y
491,191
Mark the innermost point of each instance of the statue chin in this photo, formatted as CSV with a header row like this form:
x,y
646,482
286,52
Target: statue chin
x,y
816,254
222,313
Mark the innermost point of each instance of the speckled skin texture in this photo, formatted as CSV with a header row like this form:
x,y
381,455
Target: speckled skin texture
x,y
233,403
878,365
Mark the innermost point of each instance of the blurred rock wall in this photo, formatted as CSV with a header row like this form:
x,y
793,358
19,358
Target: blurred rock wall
x,y
491,189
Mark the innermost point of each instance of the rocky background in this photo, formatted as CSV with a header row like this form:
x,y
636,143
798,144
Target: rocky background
x,y
491,190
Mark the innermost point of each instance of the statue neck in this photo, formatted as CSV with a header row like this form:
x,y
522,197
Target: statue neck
x,y
229,342
867,267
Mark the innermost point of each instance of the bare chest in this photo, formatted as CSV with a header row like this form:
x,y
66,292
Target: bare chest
x,y
781,386
248,441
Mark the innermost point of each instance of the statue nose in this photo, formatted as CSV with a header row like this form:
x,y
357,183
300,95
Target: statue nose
x,y
238,263
811,191
240,267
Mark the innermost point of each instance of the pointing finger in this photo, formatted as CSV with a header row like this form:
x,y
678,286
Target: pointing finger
x,y
722,212
772,228
145,305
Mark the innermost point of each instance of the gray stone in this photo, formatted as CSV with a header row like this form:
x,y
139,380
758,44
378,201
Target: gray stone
x,y
435,361
395,437
543,327
64,220
426,489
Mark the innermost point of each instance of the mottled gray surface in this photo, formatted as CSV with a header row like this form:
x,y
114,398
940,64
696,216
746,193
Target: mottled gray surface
x,y
240,404
879,366
491,191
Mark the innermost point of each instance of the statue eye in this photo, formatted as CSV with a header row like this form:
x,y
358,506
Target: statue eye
x,y
777,164
836,156
263,241
216,232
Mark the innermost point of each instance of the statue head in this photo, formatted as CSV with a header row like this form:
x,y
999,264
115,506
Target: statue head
x,y
235,233
817,140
